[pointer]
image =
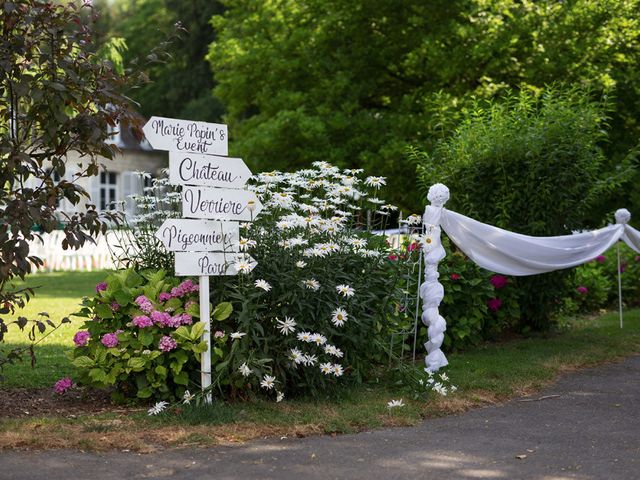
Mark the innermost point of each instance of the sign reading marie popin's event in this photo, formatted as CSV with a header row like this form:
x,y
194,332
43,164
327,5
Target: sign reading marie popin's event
x,y
207,170
220,203
186,136
187,235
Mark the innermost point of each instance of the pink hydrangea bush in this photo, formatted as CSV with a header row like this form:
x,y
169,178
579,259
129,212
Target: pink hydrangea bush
x,y
147,347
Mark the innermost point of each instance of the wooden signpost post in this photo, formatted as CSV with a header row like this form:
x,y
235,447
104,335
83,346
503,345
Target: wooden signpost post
x,y
206,243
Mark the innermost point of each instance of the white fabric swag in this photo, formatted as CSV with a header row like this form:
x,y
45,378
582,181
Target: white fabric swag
x,y
500,251
511,253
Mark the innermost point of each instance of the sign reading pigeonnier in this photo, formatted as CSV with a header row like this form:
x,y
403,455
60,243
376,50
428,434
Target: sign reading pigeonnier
x,y
206,242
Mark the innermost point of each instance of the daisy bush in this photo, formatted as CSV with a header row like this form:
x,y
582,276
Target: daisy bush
x,y
317,309
142,336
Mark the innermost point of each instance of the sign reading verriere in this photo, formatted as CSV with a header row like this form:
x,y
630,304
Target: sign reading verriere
x,y
220,203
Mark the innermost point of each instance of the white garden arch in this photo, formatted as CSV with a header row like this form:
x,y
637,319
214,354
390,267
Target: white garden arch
x,y
503,252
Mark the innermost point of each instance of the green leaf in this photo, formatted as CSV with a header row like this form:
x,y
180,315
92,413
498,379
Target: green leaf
x,y
194,310
181,378
162,371
104,311
222,311
145,338
84,362
122,298
136,363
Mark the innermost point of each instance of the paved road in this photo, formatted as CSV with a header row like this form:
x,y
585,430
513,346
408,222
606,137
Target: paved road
x,y
588,427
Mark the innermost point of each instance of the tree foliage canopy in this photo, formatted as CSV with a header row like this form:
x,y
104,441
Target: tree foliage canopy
x,y
354,82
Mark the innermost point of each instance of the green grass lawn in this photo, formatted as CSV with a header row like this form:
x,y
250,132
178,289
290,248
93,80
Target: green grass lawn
x,y
59,294
486,374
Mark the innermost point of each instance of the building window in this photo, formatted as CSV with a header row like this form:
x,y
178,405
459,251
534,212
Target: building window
x,y
108,187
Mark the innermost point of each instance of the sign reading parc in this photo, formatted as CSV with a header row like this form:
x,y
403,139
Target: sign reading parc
x,y
207,170
212,263
186,136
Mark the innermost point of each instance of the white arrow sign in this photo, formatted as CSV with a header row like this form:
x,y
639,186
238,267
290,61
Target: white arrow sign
x,y
216,263
182,235
186,136
207,170
220,204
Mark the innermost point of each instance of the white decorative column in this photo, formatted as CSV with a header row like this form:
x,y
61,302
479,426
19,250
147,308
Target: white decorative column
x,y
432,291
622,218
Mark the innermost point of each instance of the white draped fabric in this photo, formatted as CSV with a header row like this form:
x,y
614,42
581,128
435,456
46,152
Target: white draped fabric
x,y
511,253
502,252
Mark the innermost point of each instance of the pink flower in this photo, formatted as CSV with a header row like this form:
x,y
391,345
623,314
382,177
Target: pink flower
x,y
582,290
455,276
162,318
63,385
601,259
167,344
101,287
392,257
110,340
412,246
81,338
185,319
144,303
623,267
218,334
637,258
142,321
494,304
498,281
164,296
115,306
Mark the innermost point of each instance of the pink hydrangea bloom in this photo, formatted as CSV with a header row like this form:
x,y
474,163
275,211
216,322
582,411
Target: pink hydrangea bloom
x,y
110,340
81,338
601,259
144,303
164,296
494,304
115,306
582,290
162,318
185,319
167,344
101,287
218,334
455,276
498,281
142,321
63,385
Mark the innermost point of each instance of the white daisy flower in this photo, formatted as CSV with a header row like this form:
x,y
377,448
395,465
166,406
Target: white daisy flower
x,y
311,284
301,264
187,397
296,355
345,290
268,382
337,369
318,339
245,370
304,336
263,284
309,360
237,335
157,408
279,397
326,368
339,317
395,404
375,182
287,325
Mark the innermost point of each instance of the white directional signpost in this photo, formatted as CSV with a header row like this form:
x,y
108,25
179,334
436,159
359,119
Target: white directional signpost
x,y
206,241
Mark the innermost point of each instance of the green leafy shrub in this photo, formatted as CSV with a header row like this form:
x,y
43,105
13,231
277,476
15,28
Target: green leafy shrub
x,y
143,336
591,286
530,164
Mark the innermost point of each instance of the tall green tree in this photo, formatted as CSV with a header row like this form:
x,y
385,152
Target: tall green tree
x,y
356,81
181,84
